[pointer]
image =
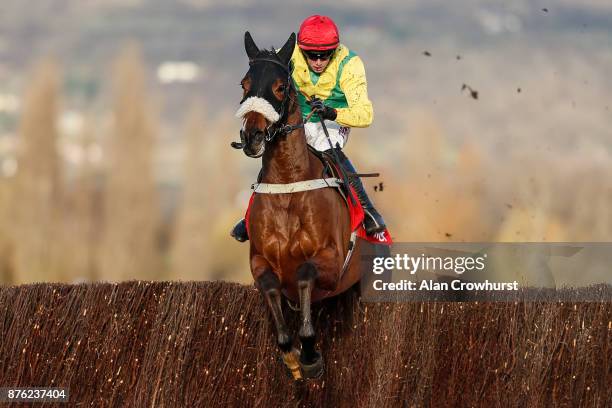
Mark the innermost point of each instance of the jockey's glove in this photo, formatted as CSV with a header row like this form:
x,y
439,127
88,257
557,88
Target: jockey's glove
x,y
324,112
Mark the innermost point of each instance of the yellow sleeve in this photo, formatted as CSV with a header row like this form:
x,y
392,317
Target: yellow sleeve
x,y
355,87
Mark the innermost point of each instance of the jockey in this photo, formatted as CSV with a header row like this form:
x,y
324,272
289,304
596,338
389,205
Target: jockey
x,y
333,77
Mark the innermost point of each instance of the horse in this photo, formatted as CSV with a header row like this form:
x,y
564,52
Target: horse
x,y
298,240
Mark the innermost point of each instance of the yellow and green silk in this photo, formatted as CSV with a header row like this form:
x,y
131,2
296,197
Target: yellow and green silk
x,y
342,86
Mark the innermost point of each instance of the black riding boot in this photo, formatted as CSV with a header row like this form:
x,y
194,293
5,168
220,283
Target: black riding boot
x,y
239,232
373,220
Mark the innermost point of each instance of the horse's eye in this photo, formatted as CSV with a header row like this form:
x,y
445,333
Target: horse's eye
x,y
281,88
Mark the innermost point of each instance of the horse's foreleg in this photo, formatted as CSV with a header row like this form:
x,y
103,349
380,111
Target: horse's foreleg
x,y
310,360
270,287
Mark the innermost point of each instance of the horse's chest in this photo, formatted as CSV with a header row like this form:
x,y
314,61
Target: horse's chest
x,y
289,232
289,228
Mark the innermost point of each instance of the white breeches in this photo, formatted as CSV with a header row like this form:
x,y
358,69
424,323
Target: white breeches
x,y
315,136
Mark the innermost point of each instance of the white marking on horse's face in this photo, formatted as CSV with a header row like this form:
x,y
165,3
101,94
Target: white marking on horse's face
x,y
259,105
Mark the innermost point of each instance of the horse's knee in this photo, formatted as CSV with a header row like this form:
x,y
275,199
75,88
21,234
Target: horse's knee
x,y
306,272
268,280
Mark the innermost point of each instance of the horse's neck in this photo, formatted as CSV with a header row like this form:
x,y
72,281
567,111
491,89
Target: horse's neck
x,y
287,159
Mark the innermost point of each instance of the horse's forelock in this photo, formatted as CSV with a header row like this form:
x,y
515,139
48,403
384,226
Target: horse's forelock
x,y
266,53
269,54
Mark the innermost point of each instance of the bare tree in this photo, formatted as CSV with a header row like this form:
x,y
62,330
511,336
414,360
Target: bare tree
x,y
190,253
81,220
131,203
37,185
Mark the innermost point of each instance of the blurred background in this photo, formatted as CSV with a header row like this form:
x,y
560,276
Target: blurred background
x,y
493,122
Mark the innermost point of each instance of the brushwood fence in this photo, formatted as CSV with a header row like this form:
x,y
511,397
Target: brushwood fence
x,y
167,344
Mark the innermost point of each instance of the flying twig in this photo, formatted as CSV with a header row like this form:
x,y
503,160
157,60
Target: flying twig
x,y
473,92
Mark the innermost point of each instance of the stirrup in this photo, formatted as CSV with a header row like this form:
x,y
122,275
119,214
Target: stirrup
x,y
379,225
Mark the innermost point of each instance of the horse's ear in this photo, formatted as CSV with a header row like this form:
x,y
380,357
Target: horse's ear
x,y
286,52
249,46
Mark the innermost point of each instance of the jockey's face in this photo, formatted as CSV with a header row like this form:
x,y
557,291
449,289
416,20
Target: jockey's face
x,y
317,60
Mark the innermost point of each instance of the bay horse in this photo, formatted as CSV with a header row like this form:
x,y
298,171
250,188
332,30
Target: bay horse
x,y
298,240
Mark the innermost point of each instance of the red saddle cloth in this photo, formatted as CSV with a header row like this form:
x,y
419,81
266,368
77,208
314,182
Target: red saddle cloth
x,y
357,216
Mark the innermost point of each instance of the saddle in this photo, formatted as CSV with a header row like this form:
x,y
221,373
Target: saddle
x,y
331,169
331,176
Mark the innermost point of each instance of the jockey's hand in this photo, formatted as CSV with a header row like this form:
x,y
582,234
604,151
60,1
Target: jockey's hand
x,y
325,112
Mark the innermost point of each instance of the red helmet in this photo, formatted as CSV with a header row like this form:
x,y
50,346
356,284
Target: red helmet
x,y
318,33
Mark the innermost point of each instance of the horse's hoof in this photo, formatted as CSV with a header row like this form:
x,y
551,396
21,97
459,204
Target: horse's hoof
x,y
314,369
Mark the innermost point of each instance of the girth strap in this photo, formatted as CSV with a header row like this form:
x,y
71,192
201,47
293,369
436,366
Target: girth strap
x,y
306,185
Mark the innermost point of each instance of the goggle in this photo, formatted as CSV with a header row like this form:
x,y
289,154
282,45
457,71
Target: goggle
x,y
319,55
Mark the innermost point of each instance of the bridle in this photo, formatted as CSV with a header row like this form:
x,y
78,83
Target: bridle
x,y
279,127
